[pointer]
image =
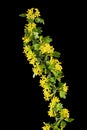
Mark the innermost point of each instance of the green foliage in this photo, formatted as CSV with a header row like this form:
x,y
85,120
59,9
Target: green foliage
x,y
36,47
36,35
62,94
63,124
60,84
22,15
56,54
47,39
39,20
59,106
57,74
42,66
56,128
30,20
39,30
70,119
50,66
52,80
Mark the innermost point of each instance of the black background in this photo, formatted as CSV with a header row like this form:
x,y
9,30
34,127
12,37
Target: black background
x,y
64,22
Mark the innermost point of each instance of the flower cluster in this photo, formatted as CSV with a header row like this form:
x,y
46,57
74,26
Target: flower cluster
x,y
54,101
45,64
46,126
32,13
64,113
46,48
44,83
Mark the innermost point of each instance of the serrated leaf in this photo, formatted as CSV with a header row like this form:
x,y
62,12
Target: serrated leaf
x,y
60,84
56,54
36,35
47,39
42,66
22,15
62,94
39,30
51,66
52,79
63,124
60,74
36,46
59,106
56,73
39,20
56,127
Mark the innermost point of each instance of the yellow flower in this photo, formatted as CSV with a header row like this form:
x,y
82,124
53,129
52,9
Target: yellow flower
x,y
46,48
32,13
43,77
37,13
56,63
53,61
64,113
33,61
37,70
58,66
52,104
26,49
45,85
30,55
51,113
54,100
46,127
43,81
30,26
47,94
29,14
26,39
65,88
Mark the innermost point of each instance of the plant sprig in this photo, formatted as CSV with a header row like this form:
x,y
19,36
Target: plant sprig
x,y
45,64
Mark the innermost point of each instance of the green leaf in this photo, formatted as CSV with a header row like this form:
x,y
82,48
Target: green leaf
x,y
59,106
70,119
42,66
62,94
60,74
22,15
36,35
60,84
30,20
26,32
51,66
39,30
52,79
63,124
47,39
56,54
55,127
56,73
39,20
46,71
36,47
